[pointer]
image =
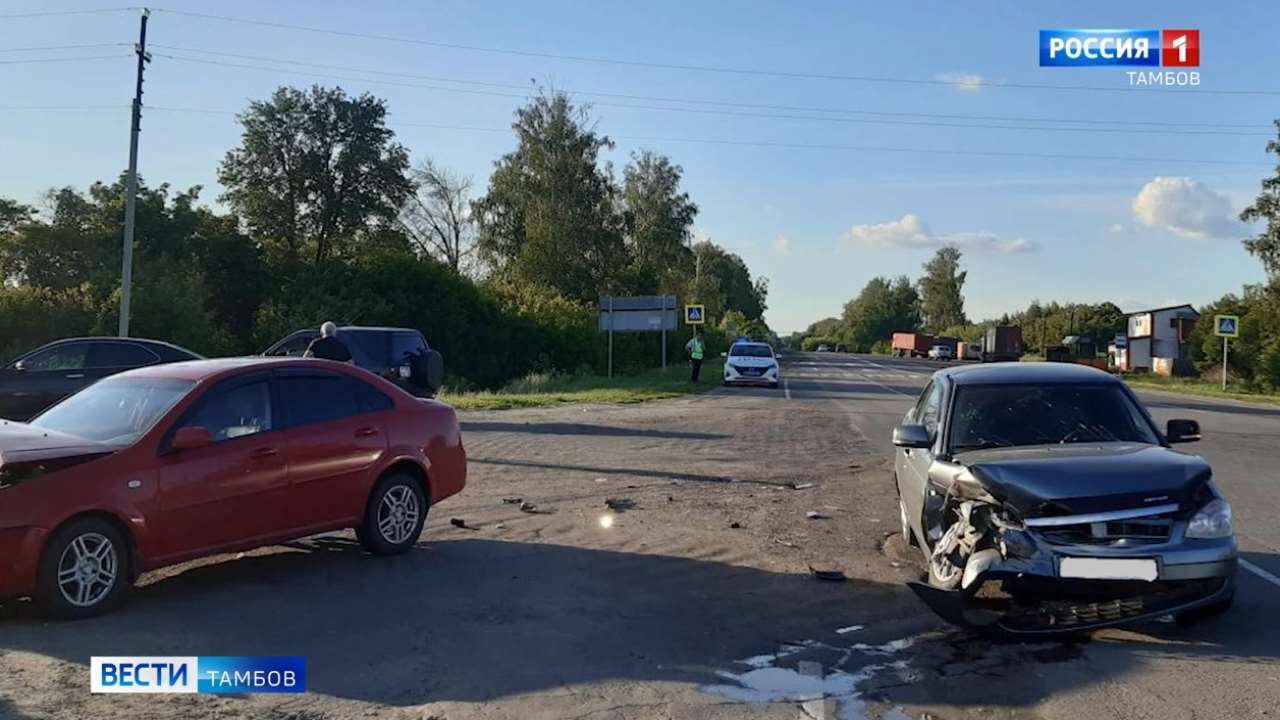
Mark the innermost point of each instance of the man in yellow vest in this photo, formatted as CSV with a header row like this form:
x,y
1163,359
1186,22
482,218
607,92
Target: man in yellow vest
x,y
695,350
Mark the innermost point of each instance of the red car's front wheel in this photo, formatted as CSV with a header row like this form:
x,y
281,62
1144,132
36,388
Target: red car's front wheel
x,y
84,570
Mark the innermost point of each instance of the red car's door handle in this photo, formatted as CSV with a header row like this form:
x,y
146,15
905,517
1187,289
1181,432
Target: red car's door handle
x,y
265,452
366,431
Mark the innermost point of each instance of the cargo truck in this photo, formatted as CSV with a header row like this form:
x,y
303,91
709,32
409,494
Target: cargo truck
x,y
1002,342
907,344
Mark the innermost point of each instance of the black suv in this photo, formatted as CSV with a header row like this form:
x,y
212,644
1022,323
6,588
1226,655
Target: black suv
x,y
400,355
51,372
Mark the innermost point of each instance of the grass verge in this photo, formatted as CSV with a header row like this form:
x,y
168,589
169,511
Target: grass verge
x,y
1192,386
541,389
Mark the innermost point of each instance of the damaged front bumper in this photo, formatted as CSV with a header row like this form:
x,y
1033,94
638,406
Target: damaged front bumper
x,y
1018,588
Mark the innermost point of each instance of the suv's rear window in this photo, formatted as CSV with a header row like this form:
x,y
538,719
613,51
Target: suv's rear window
x,y
368,347
406,343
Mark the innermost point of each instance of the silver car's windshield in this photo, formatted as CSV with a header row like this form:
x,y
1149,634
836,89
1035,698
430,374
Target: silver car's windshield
x,y
987,416
115,411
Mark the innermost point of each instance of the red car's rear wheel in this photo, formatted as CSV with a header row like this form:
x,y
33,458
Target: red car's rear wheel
x,y
394,516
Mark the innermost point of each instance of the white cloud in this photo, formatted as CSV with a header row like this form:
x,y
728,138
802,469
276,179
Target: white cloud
x,y
909,231
782,245
1115,228
1186,208
966,82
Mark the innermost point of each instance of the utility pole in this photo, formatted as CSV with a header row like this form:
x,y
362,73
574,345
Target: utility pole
x,y
131,182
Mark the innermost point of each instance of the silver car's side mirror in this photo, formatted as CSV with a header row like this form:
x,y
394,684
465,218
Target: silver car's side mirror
x,y
912,436
1182,431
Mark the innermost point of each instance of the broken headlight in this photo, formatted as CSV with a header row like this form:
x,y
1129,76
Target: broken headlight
x,y
1212,521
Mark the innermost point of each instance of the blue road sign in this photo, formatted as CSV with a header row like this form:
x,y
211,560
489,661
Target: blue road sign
x,y
1226,325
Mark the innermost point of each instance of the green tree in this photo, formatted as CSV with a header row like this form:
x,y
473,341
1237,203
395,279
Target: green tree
x,y
316,172
882,308
658,217
78,248
550,215
1266,207
941,290
736,288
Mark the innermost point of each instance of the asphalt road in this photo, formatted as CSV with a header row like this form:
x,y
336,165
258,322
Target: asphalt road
x,y
664,572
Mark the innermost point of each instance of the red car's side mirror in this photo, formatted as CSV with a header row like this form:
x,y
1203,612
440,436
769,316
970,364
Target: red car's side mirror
x,y
190,438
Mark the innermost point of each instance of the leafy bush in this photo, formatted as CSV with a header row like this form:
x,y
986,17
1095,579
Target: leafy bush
x,y
31,316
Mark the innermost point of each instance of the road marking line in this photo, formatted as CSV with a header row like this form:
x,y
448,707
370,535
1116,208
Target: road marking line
x,y
786,387
1260,572
886,387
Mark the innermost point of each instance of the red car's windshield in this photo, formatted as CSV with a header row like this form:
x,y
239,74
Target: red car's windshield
x,y
115,411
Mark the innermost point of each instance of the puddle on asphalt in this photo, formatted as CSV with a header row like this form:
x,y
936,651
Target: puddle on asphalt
x,y
824,692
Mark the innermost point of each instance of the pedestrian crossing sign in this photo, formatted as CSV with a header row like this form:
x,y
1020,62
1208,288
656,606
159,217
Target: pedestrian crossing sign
x,y
1226,325
695,314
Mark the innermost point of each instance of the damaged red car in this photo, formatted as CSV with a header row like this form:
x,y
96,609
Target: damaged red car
x,y
1044,499
164,464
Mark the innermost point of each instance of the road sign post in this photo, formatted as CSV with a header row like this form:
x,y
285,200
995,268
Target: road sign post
x,y
1226,327
648,313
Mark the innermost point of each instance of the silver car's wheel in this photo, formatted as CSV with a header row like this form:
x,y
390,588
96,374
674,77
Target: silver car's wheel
x,y
943,571
398,514
88,569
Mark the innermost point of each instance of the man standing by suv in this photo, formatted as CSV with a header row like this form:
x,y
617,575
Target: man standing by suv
x,y
328,346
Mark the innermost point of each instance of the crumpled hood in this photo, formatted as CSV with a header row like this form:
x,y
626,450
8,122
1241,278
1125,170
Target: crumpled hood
x,y
1087,478
21,443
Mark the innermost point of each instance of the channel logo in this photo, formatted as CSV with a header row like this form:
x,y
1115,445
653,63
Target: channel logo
x,y
199,674
1120,48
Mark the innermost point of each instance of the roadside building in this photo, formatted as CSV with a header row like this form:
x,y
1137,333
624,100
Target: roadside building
x,y
1157,341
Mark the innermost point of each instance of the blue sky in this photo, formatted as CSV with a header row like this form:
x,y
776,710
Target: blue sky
x,y
818,222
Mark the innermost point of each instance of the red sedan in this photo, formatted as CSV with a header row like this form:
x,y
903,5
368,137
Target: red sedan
x,y
163,464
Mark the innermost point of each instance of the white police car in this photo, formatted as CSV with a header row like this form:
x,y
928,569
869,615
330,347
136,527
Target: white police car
x,y
751,363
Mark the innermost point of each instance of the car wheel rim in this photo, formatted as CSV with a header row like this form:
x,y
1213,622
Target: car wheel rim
x,y
940,562
398,514
88,569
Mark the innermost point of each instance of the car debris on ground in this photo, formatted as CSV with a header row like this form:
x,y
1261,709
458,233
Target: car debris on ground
x,y
619,504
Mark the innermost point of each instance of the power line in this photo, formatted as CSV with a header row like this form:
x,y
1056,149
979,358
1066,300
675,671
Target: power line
x,y
808,146
66,59
62,107
56,13
63,47
718,103
738,113
704,68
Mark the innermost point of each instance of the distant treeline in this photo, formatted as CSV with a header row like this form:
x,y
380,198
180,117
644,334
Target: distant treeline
x,y
327,220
